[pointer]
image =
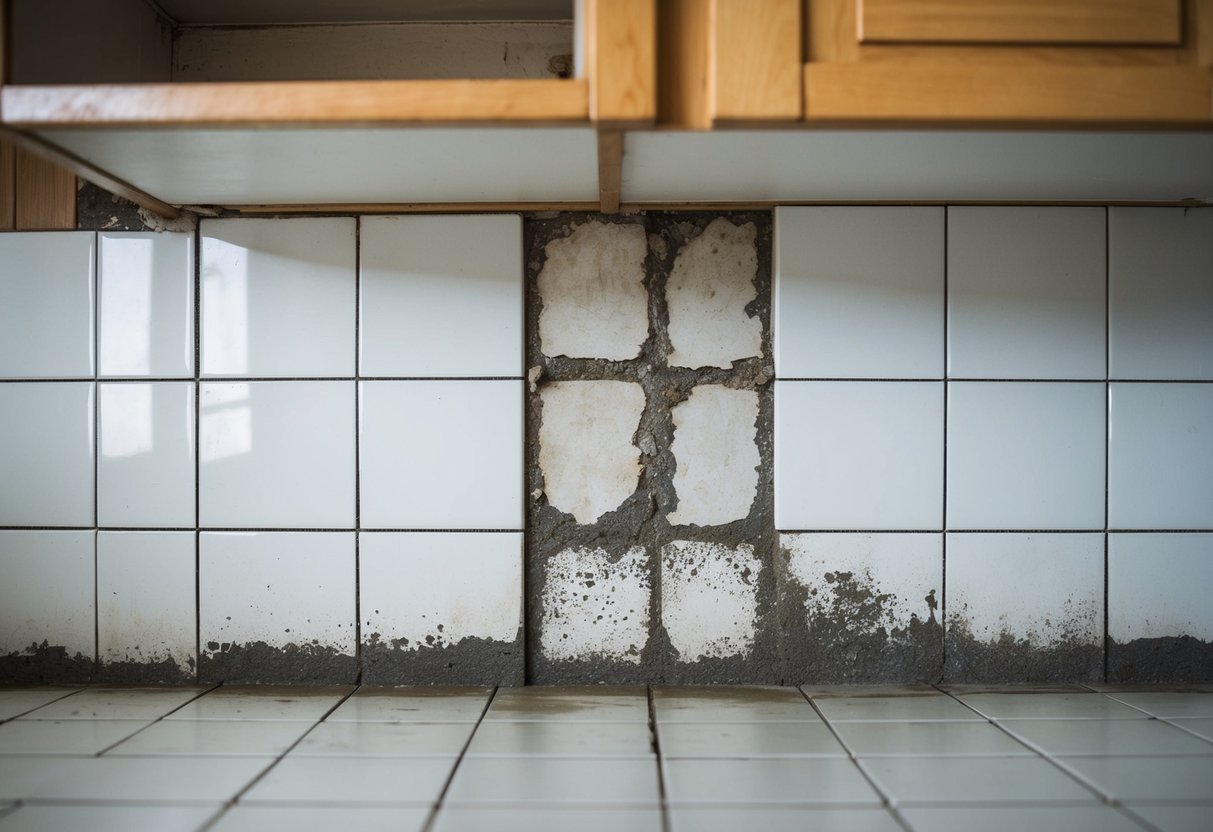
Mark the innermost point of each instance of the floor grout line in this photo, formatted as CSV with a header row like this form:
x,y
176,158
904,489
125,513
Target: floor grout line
x,y
446,786
662,797
158,719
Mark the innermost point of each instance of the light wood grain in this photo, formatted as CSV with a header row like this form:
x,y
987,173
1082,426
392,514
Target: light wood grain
x,y
832,31
1012,56
46,194
1200,31
503,102
610,170
621,41
1021,21
683,34
411,207
1053,96
8,186
757,60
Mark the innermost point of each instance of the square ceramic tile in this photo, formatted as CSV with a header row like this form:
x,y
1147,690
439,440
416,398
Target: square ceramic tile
x,y
1016,818
416,271
323,818
1176,818
102,818
1158,588
544,780
212,737
35,609
73,737
379,739
1026,292
927,707
859,292
363,780
144,704
929,739
1042,592
746,740
278,297
1160,262
1108,737
1160,456
1147,778
420,704
858,455
769,782
46,454
263,702
436,589
441,454
1025,455
146,610
1049,706
760,818
1167,704
276,454
145,297
974,780
1201,726
547,819
46,304
276,588
17,701
145,468
149,779
731,704
20,777
561,739
593,703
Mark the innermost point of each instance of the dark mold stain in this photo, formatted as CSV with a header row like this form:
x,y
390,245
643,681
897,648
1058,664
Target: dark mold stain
x,y
259,663
43,663
1165,659
99,210
1010,659
470,661
132,672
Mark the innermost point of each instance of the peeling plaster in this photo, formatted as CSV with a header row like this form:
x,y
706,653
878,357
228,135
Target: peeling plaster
x,y
709,598
595,606
716,455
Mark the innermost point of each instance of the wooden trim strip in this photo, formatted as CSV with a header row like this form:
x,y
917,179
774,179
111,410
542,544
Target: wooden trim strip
x,y
8,185
610,170
497,101
756,60
621,36
46,195
683,96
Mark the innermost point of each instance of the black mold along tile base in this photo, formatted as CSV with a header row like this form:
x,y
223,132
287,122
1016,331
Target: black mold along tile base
x,y
1167,659
44,664
1016,660
470,661
294,664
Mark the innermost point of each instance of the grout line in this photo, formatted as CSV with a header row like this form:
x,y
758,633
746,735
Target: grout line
x,y
437,807
96,449
65,695
197,263
1107,420
358,448
160,718
656,743
943,538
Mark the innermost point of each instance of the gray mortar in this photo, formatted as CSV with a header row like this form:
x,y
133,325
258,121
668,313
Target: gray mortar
x,y
45,663
1165,659
641,519
99,210
259,663
471,661
969,659
131,672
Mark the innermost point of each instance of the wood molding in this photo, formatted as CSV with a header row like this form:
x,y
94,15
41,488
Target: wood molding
x,y
684,32
756,60
621,61
610,170
8,185
46,194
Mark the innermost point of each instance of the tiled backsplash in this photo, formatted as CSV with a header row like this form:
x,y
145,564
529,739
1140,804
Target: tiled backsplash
x,y
304,449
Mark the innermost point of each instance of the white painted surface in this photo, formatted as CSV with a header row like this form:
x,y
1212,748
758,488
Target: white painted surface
x,y
858,455
1158,586
276,454
709,598
277,587
916,165
332,165
716,455
710,285
1044,589
46,591
1160,279
859,292
595,605
441,454
586,453
278,297
435,589
441,296
46,454
903,569
1026,455
146,603
1026,293
145,468
592,286
145,297
46,304
1160,456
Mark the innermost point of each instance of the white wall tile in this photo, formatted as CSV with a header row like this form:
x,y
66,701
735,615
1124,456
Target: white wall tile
x,y
276,454
278,297
1026,292
146,607
435,589
145,470
145,297
441,296
859,292
595,605
277,587
46,304
709,598
858,455
1044,589
1158,586
1025,455
46,454
716,457
1160,456
1160,312
46,591
441,454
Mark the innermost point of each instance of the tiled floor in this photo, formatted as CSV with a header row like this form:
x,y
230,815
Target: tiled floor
x,y
675,759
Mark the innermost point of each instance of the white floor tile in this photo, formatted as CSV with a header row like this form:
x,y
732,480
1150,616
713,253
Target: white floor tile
x,y
759,818
561,739
378,739
212,737
1147,778
794,781
974,780
570,704
77,737
1177,818
532,780
419,704
1107,737
746,740
362,780
1049,706
17,701
1017,818
150,779
1201,726
322,819
34,818
731,704
547,819
919,708
291,704
929,739
118,703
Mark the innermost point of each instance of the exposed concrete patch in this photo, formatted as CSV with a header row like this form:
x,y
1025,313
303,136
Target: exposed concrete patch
x,y
709,603
1161,659
710,287
596,606
589,463
593,294
716,456
259,663
470,661
99,210
45,663
1007,658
